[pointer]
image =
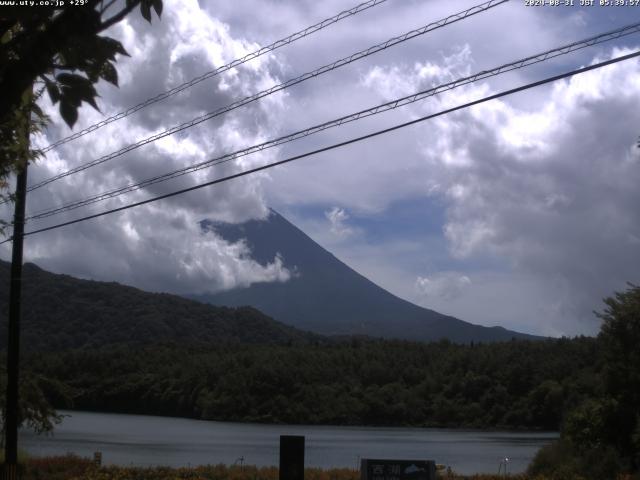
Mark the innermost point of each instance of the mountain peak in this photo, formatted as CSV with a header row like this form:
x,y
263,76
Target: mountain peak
x,y
327,296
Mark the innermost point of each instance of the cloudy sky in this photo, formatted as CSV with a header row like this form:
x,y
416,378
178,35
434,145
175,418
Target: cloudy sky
x,y
520,212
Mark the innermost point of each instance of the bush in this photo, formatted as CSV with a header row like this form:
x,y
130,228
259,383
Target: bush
x,y
562,460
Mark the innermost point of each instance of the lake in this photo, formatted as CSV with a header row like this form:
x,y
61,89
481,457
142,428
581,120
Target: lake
x,y
145,440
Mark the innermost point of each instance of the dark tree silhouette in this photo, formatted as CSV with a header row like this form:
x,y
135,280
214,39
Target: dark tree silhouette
x,y
60,50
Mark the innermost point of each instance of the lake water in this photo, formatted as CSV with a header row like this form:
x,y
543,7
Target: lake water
x,y
145,440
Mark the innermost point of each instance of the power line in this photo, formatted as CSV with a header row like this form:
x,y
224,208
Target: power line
x,y
603,37
340,144
294,81
306,76
235,63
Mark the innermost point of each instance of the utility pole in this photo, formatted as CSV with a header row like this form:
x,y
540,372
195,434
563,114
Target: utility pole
x,y
15,294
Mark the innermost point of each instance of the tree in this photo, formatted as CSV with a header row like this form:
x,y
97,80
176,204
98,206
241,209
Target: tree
x,y
601,436
36,412
57,49
613,419
620,342
60,50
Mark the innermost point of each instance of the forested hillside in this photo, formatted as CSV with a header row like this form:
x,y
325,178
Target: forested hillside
x,y
62,312
511,384
200,361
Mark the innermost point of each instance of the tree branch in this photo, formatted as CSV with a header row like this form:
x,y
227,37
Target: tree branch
x,y
107,7
57,66
118,16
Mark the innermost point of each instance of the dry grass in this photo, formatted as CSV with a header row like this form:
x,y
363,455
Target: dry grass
x,y
71,467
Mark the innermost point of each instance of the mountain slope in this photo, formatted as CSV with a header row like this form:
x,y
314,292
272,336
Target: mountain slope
x,y
328,297
61,312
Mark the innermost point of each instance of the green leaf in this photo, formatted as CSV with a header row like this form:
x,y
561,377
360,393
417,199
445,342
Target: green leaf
x,y
157,6
73,80
145,10
91,100
109,47
71,96
69,112
76,94
70,56
52,90
109,73
37,111
93,73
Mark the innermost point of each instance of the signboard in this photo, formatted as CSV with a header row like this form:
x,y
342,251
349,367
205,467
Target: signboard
x,y
397,469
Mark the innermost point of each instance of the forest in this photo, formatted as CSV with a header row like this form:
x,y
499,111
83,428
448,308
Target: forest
x,y
61,312
518,384
177,357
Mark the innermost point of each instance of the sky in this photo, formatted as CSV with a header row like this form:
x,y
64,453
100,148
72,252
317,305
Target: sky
x,y
520,212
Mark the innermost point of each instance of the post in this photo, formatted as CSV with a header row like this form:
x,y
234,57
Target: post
x,y
11,419
291,457
13,350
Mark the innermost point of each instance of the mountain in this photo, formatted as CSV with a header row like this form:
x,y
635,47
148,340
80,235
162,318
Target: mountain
x,y
61,312
328,297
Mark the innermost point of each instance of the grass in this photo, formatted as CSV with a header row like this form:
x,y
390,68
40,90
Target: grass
x,y
22,456
71,467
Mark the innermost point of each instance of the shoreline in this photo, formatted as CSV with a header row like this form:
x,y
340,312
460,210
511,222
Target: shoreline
x,y
462,428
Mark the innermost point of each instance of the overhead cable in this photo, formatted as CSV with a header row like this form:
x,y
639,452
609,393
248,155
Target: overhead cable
x,y
336,145
534,59
294,81
235,63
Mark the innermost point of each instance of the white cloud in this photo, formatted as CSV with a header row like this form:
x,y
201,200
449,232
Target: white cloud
x,y
337,219
156,250
546,182
445,285
400,80
160,246
517,301
553,189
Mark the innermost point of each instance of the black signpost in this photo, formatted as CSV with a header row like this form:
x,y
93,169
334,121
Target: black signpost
x,y
291,457
371,469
